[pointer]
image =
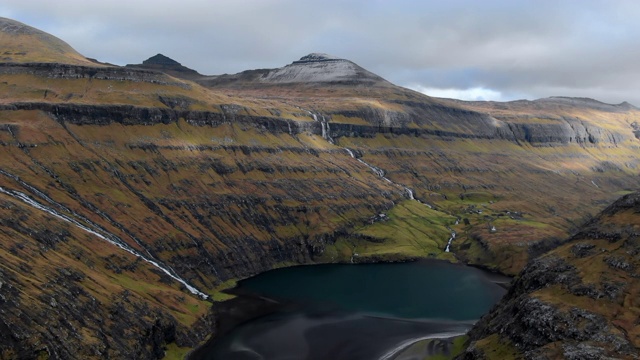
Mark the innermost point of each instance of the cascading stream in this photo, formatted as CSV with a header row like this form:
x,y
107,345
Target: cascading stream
x,y
99,233
376,170
453,236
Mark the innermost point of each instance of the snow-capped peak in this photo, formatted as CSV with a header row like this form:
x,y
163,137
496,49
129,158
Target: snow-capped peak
x,y
315,57
319,67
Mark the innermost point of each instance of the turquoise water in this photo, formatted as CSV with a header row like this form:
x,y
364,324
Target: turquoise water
x,y
426,289
356,312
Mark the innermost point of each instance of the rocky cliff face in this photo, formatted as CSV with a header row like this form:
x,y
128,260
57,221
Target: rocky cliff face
x,y
578,301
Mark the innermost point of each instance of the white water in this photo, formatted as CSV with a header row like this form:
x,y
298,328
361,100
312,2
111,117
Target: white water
x,y
376,170
409,193
453,236
110,238
326,130
350,152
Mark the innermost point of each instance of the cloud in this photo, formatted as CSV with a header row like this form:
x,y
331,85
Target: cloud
x,y
516,48
471,94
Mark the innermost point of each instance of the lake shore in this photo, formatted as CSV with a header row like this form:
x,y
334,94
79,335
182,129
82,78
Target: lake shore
x,y
275,320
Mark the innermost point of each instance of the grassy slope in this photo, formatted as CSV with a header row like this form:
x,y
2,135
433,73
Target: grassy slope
x,y
528,193
497,180
75,165
45,258
598,276
22,44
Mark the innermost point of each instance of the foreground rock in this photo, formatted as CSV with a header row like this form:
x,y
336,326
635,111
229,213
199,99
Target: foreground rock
x,y
579,301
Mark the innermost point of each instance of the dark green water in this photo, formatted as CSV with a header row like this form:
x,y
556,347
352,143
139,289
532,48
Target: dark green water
x,y
357,311
427,289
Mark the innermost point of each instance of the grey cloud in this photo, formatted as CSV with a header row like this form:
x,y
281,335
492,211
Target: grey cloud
x,y
517,48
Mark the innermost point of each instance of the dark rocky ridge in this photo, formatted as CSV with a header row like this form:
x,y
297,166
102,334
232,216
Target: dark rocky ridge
x,y
67,71
555,309
476,125
167,65
160,59
132,115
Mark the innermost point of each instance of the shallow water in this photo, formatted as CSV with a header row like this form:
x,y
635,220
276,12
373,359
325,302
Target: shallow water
x,y
357,311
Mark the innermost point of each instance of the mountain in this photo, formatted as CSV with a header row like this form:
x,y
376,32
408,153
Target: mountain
x,y
130,196
22,43
578,301
310,69
167,65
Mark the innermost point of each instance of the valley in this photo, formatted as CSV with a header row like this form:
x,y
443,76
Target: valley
x,y
130,196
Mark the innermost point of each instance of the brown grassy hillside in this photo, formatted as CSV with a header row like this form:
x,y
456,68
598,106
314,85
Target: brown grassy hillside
x,y
579,301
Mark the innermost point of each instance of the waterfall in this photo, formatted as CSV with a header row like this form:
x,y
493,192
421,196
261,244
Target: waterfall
x,y
409,193
453,236
376,170
93,230
324,124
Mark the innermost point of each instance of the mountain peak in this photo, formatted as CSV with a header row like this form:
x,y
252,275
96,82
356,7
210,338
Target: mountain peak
x,y
167,65
160,59
322,68
317,57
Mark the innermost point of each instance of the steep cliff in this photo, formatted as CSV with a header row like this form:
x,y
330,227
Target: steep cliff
x,y
578,301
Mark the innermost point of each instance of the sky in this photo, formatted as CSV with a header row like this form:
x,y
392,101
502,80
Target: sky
x,y
465,49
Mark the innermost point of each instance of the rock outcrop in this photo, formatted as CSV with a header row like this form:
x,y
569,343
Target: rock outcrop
x,y
167,65
578,301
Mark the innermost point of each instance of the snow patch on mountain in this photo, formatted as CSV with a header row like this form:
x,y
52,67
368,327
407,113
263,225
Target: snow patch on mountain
x,y
318,67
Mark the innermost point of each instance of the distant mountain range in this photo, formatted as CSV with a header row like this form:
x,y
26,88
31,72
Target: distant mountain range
x,y
130,196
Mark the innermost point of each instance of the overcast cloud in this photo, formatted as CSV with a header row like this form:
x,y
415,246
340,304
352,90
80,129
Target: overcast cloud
x,y
470,49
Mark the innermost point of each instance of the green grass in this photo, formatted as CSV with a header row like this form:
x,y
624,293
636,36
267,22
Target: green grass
x,y
457,348
218,295
174,352
411,230
496,348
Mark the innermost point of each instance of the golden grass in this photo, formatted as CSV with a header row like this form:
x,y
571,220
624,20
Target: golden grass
x,y
37,46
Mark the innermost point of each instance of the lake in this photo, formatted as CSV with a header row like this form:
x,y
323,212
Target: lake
x,y
364,311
